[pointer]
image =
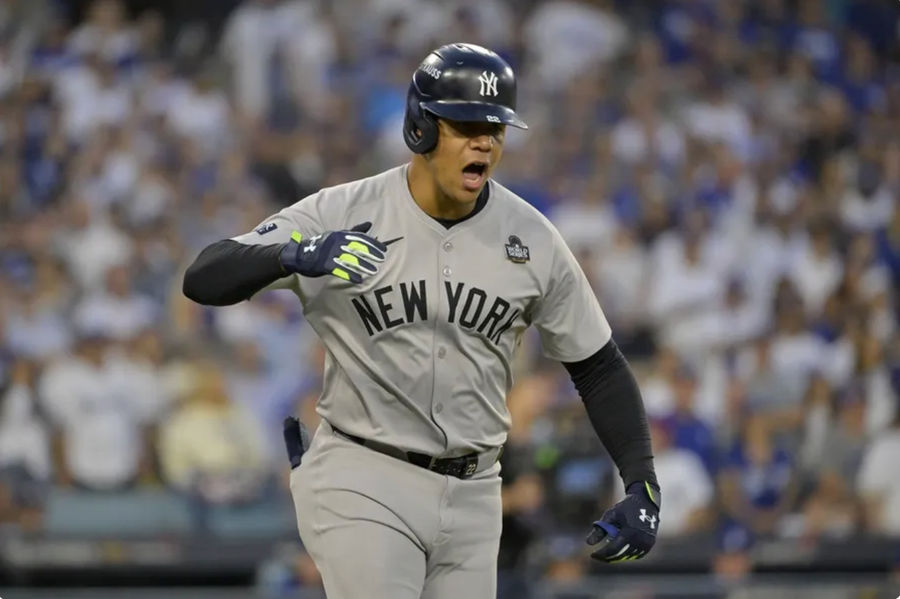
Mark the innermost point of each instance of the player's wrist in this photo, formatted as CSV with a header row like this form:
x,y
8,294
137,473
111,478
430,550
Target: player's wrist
x,y
647,489
287,257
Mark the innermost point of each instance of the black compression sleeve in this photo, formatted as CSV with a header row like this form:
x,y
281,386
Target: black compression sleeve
x,y
616,410
227,272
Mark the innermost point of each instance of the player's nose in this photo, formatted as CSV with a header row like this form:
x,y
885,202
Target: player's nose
x,y
483,142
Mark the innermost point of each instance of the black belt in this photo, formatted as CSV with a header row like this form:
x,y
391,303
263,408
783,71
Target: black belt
x,y
462,467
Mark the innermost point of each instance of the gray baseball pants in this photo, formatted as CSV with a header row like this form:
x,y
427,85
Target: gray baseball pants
x,y
380,528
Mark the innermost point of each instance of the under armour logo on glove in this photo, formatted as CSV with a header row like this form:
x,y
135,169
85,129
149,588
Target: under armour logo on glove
x,y
627,531
310,246
645,518
349,255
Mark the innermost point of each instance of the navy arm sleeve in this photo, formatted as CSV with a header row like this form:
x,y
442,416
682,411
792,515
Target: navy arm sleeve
x,y
616,411
227,272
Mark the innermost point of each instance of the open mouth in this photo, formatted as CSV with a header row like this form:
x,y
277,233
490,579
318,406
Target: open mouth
x,y
474,174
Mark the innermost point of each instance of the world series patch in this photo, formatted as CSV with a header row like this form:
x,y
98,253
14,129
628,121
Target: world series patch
x,y
517,252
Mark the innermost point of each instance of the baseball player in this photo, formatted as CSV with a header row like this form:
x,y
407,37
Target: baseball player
x,y
420,282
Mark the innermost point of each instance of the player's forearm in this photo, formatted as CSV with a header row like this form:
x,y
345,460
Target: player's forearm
x,y
616,411
227,272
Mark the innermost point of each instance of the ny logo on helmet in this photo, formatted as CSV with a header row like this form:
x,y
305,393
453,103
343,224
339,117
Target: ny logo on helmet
x,y
488,83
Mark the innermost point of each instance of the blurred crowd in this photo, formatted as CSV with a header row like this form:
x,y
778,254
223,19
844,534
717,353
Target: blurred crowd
x,y
726,171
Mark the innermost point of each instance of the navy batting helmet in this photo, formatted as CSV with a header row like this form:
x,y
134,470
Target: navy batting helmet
x,y
460,82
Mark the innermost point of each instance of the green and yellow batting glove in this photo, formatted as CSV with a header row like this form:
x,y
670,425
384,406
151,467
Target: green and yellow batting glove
x,y
349,255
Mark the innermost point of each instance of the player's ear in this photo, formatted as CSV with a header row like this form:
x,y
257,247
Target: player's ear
x,y
426,155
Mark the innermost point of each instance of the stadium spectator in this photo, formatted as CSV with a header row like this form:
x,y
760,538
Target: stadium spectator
x,y
212,449
831,510
688,431
102,444
756,481
689,486
879,490
25,460
116,311
267,393
568,38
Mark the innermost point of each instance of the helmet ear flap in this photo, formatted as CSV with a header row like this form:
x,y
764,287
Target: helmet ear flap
x,y
420,128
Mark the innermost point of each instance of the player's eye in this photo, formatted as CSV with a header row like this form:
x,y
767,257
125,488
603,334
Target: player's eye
x,y
477,129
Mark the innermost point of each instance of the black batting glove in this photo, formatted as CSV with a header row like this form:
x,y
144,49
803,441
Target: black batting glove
x,y
627,531
296,440
349,255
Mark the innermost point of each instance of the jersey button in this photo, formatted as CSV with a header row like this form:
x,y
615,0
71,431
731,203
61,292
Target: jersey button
x,y
442,352
447,272
448,246
438,408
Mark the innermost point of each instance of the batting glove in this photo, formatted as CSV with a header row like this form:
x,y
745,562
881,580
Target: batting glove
x,y
349,255
296,440
627,531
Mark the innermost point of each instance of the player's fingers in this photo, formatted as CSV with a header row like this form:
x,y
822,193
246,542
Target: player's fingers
x,y
600,531
348,275
367,243
357,265
625,557
635,554
612,549
362,227
363,249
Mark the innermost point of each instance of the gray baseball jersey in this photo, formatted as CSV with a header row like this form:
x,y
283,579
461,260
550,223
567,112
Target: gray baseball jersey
x,y
419,355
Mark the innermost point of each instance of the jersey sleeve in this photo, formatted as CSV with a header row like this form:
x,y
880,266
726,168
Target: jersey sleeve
x,y
302,216
568,317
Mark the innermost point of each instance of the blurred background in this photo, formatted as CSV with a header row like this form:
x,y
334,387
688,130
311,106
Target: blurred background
x,y
726,171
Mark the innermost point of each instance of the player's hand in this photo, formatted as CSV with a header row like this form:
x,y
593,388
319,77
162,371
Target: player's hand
x,y
627,531
296,440
349,255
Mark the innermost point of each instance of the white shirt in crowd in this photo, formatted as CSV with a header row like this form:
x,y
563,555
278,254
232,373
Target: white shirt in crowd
x,y
881,401
722,121
867,214
101,415
201,116
725,326
110,45
91,251
622,277
797,355
878,479
680,292
88,103
37,332
255,31
632,142
816,276
23,437
767,256
583,225
687,486
115,316
569,37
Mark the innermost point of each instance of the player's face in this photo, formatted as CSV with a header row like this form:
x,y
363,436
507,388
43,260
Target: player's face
x,y
465,156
